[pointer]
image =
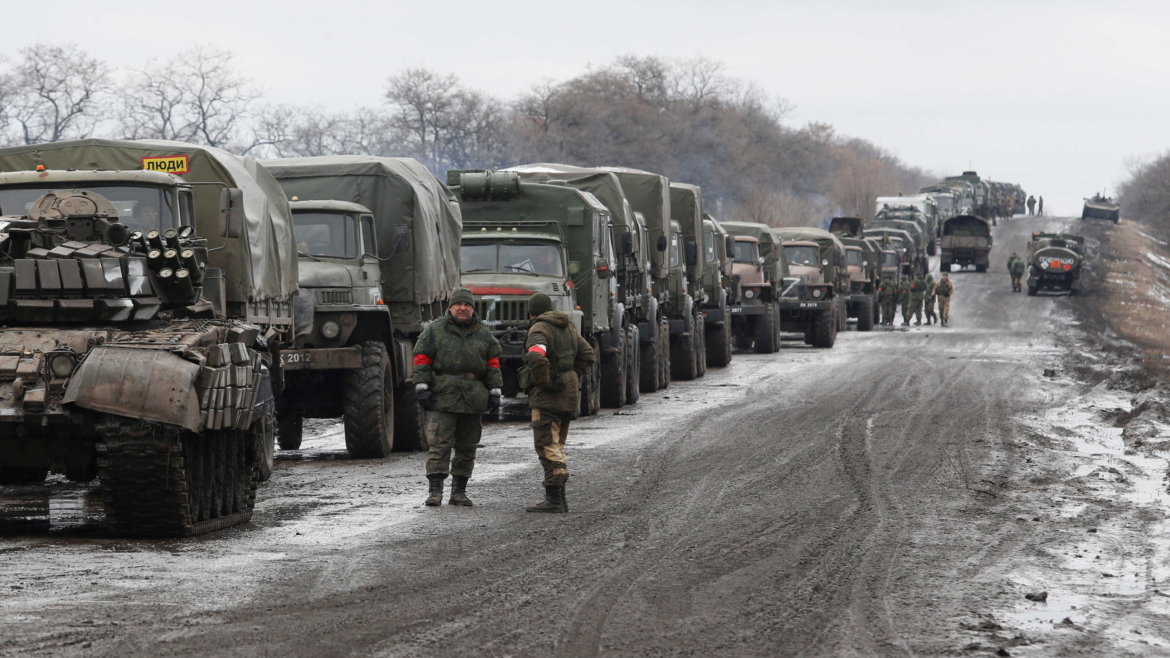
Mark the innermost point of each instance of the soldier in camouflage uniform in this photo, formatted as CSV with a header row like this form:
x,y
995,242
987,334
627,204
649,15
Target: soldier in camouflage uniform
x,y
944,291
928,303
556,357
905,287
917,296
1016,267
456,379
888,295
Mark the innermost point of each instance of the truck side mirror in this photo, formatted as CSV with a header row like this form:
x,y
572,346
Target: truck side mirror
x,y
730,245
231,212
627,243
662,244
692,253
602,268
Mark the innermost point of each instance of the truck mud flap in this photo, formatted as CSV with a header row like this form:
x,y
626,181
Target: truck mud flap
x,y
149,384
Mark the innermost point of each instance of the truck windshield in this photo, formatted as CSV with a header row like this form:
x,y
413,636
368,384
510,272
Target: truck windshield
x,y
140,208
853,257
891,260
801,255
746,252
510,257
328,234
709,246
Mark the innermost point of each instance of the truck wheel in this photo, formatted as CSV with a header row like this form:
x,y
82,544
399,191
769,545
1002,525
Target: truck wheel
x,y
649,370
932,248
264,435
663,355
719,345
766,332
633,365
289,431
368,404
590,385
865,314
700,346
613,375
877,309
980,268
1032,291
10,475
944,267
409,422
683,365
824,332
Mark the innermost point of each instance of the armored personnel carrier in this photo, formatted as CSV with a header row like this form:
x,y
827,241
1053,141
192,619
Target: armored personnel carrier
x,y
1054,262
139,315
1101,207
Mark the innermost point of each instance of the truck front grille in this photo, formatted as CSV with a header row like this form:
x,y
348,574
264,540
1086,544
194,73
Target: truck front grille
x,y
505,311
334,296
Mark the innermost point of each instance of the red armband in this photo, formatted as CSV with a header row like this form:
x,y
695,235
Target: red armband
x,y
494,362
422,360
539,348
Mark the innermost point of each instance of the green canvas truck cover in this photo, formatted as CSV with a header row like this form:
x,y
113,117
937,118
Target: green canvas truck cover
x,y
419,224
649,194
604,185
686,207
830,245
770,245
267,249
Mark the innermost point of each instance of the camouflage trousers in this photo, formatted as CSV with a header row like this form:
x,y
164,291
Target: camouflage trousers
x,y
928,309
944,308
912,309
549,431
1016,281
450,432
889,311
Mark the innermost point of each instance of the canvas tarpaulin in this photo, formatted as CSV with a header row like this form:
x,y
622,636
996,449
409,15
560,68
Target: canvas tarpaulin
x,y
260,265
418,221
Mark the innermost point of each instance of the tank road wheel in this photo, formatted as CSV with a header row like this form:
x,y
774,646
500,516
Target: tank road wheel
x,y
824,332
683,365
409,421
865,314
613,374
171,482
590,386
649,369
633,365
10,475
765,342
663,355
368,404
718,342
289,431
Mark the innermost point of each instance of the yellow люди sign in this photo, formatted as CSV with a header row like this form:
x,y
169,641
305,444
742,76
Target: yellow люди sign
x,y
168,164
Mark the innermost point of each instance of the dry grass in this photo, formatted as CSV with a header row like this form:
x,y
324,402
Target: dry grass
x,y
1135,292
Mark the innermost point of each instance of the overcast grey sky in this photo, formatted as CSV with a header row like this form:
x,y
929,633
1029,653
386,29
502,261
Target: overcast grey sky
x,y
1053,95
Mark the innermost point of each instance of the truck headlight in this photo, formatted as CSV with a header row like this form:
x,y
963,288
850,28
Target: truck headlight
x,y
330,330
749,294
817,292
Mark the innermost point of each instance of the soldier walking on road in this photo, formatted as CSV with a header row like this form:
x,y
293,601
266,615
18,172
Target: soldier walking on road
x,y
905,287
1040,206
888,296
556,358
929,296
1031,205
456,379
917,296
944,290
1016,268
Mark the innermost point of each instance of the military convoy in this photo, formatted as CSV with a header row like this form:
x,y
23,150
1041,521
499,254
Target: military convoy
x,y
143,315
1054,262
864,259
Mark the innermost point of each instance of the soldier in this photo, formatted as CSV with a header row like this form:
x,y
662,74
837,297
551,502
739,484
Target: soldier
x,y
888,295
944,290
1040,206
1016,266
1031,205
556,357
456,379
929,296
905,289
917,296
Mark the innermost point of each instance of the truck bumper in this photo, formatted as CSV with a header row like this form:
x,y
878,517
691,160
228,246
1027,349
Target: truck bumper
x,y
331,358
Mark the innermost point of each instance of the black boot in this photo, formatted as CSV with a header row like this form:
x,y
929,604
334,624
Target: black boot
x,y
459,492
436,497
553,503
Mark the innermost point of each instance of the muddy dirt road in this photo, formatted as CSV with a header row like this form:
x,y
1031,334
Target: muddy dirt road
x,y
853,501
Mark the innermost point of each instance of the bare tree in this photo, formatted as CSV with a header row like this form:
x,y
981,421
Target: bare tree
x,y
421,102
59,93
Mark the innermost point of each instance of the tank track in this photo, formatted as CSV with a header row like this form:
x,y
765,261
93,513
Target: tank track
x,y
163,481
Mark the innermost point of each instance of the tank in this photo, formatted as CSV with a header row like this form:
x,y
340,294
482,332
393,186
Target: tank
x,y
132,347
1101,207
1054,262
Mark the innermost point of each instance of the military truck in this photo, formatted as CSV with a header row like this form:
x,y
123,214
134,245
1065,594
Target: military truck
x,y
966,240
814,295
1054,261
911,234
963,193
981,194
758,271
909,262
140,314
619,355
522,237
705,283
1101,207
416,225
920,208
717,271
864,260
